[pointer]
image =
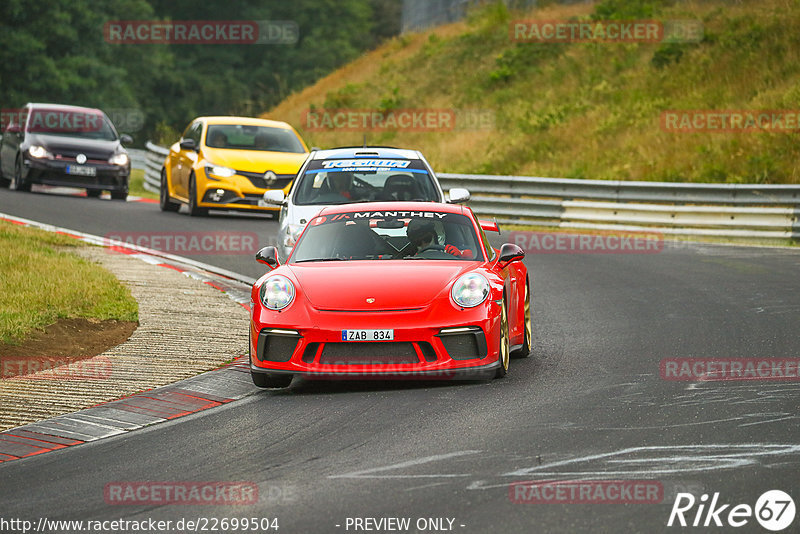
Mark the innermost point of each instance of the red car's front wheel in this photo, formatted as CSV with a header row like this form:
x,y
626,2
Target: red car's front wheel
x,y
503,355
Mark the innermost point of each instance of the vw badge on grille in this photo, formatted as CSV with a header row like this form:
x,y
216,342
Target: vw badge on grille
x,y
80,158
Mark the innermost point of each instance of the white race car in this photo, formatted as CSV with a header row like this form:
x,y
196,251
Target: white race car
x,y
353,175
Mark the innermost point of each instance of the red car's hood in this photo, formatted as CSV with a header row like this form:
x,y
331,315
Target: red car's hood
x,y
393,284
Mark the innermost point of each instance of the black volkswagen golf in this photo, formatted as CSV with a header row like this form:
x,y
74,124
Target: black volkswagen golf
x,y
70,146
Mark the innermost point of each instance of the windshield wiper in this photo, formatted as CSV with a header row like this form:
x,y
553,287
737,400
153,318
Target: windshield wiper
x,y
320,259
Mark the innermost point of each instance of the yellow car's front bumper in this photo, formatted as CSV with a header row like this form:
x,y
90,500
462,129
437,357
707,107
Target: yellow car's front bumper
x,y
240,191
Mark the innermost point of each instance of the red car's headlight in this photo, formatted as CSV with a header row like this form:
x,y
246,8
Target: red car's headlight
x,y
470,290
277,292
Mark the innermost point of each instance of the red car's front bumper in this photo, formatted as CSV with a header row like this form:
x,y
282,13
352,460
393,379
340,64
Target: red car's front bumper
x,y
459,344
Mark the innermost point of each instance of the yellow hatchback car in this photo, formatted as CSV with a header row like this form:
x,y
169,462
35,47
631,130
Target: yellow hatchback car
x,y
228,163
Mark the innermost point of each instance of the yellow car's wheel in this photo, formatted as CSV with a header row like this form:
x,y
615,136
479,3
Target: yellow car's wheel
x,y
164,200
194,210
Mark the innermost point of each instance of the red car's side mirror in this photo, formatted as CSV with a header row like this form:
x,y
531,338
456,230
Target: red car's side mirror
x,y
510,252
268,256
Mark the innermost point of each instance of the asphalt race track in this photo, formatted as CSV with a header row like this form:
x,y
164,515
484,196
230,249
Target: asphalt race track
x,y
589,404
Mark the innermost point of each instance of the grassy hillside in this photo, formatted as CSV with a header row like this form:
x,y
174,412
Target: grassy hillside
x,y
584,110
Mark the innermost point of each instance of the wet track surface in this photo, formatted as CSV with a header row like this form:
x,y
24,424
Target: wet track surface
x,y
589,404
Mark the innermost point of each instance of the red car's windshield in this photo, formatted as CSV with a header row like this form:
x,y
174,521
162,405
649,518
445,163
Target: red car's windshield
x,y
387,235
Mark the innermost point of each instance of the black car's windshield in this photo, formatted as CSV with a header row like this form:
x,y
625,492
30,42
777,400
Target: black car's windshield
x,y
342,181
246,137
388,235
88,124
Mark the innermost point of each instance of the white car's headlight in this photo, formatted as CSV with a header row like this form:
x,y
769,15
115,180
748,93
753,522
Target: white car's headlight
x,y
277,292
119,159
39,152
218,171
293,232
470,290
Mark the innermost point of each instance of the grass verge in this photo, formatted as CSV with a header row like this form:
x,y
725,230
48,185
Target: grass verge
x,y
42,282
136,185
582,110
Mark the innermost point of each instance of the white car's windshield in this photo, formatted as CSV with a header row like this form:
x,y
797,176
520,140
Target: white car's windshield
x,y
342,181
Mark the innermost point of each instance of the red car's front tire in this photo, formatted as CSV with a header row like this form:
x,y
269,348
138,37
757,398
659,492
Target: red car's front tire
x,y
503,355
525,350
267,380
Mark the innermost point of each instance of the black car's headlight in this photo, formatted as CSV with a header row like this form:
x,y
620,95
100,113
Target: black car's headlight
x,y
39,152
120,159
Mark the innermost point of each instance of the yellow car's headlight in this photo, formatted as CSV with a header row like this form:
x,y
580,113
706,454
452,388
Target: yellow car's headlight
x,y
218,171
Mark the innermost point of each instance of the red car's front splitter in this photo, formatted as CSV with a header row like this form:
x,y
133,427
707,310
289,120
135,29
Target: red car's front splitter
x,y
461,351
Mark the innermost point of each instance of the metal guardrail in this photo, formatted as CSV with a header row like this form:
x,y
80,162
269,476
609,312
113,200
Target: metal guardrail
x,y
138,158
152,170
717,210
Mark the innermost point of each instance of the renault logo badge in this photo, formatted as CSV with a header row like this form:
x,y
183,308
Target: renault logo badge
x,y
270,177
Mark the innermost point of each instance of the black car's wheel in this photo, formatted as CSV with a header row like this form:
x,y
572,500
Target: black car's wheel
x,y
503,356
266,380
525,350
93,193
3,180
119,195
164,200
17,182
194,210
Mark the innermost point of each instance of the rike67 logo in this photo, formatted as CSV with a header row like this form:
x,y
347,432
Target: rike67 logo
x,y
774,510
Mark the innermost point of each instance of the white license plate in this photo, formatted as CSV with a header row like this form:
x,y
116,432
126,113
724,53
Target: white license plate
x,y
367,335
80,170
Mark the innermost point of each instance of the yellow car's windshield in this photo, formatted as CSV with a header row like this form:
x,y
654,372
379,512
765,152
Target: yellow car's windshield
x,y
245,137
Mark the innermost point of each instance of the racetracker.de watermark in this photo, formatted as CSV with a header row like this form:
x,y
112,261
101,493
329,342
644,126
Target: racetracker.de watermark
x,y
589,243
398,120
711,369
381,370
204,32
606,31
181,493
123,119
586,492
731,121
188,243
55,368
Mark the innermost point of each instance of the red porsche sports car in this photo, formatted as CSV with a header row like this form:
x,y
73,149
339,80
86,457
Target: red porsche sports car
x,y
411,289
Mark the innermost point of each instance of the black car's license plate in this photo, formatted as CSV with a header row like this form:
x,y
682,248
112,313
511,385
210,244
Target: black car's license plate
x,y
81,170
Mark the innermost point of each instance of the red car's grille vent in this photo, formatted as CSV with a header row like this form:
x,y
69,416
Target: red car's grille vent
x,y
272,347
466,345
368,353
